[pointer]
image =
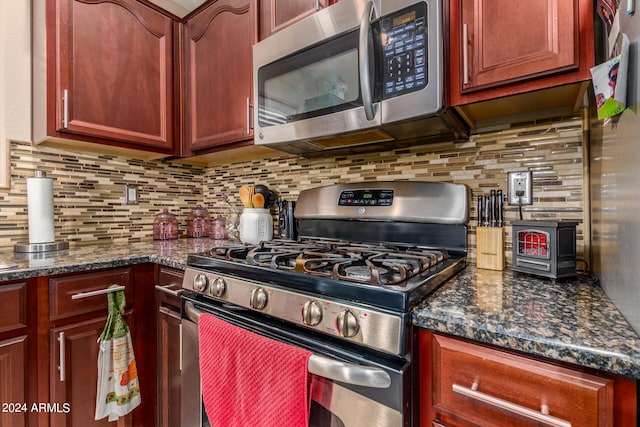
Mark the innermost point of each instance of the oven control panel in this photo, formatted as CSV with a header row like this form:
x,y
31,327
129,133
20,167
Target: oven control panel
x,y
366,198
371,328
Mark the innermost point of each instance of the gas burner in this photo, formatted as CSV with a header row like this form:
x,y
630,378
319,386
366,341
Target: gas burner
x,y
370,263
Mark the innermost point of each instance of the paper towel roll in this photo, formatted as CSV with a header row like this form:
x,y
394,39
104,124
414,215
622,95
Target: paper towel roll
x,y
40,209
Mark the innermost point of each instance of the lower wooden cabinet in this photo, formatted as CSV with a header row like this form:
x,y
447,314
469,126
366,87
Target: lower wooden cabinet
x,y
465,384
168,347
74,374
70,319
13,386
16,342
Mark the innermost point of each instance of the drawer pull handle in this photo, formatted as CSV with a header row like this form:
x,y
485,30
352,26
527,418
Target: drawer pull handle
x,y
506,406
81,295
169,291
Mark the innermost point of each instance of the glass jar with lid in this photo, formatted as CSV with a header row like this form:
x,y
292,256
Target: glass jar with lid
x,y
198,223
165,226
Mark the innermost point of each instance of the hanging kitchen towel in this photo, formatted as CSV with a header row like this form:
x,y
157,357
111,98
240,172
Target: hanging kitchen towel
x,y
118,387
251,380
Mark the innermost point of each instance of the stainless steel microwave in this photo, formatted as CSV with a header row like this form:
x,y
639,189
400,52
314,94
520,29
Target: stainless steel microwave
x,y
358,72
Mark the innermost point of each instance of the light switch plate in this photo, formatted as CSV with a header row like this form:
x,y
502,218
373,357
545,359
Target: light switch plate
x,y
131,194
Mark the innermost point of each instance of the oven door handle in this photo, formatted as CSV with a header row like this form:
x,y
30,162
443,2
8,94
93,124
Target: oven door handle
x,y
348,373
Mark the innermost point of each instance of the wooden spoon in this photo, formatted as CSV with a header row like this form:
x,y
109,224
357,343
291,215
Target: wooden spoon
x,y
258,201
245,196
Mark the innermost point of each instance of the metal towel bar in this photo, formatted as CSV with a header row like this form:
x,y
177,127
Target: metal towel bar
x,y
81,295
349,373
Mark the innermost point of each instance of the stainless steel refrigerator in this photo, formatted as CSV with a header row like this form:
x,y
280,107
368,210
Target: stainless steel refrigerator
x,y
615,187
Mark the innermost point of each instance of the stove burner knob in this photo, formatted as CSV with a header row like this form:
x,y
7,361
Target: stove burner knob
x,y
200,282
312,313
218,287
259,298
347,324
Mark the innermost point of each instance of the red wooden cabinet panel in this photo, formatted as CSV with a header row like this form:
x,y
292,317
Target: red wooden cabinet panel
x,y
500,47
218,43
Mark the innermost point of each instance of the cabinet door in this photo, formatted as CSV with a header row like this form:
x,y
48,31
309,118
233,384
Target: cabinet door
x,y
13,388
505,41
168,344
278,14
218,73
74,374
168,368
115,67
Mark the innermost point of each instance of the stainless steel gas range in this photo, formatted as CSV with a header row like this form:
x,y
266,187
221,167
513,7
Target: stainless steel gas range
x,y
366,255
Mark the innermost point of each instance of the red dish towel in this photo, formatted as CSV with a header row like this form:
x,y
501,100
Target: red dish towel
x,y
249,380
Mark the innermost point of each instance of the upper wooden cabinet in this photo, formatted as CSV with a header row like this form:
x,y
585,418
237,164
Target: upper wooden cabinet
x,y
103,73
218,71
500,48
278,14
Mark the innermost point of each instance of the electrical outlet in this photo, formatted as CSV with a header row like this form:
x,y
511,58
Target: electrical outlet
x,y
520,188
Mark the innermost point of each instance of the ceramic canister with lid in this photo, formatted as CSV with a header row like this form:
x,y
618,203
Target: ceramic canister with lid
x,y
256,225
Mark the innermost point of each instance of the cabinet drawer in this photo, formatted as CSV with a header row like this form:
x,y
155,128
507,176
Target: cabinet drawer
x,y
491,388
170,281
62,290
13,306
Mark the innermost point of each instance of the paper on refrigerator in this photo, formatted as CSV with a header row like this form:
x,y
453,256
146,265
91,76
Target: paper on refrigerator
x,y
610,83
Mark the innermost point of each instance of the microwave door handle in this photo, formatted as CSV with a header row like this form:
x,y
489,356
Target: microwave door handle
x,y
363,59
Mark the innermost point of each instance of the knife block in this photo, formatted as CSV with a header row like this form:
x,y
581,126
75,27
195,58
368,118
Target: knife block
x,y
490,248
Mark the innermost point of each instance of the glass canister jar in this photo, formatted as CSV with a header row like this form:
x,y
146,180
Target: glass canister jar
x,y
219,228
198,222
165,226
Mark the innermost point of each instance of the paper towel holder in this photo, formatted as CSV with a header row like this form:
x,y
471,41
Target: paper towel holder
x,y
41,246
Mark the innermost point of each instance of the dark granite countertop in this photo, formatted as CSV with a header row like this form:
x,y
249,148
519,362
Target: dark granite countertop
x,y
570,321
171,253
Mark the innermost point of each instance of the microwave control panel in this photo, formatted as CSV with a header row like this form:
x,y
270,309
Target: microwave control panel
x,y
404,44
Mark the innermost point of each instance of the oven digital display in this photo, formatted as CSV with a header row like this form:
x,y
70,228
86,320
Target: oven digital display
x,y
366,198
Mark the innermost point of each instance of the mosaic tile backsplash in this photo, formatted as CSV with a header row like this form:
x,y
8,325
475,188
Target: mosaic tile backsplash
x,y
89,203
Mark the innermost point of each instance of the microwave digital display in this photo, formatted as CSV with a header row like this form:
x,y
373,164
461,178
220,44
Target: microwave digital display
x,y
403,36
366,198
404,19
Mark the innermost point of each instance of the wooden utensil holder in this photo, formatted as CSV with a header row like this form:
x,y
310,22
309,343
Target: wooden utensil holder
x,y
490,248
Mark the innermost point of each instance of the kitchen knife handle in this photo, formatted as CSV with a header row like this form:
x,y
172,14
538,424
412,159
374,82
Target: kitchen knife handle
x,y
487,211
492,206
499,208
480,210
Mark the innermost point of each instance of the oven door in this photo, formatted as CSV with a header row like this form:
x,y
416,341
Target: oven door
x,y
347,389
